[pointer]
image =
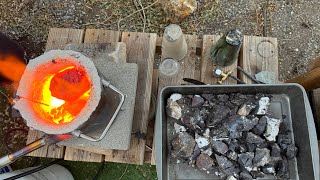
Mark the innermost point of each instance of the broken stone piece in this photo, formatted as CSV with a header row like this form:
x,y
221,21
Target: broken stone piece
x,y
226,166
261,126
222,97
275,150
197,101
245,161
208,152
232,155
207,97
283,141
188,121
264,103
262,157
231,178
217,114
245,176
254,139
183,145
246,109
201,141
257,174
248,124
291,151
272,129
204,162
251,147
174,110
220,146
177,10
178,128
282,168
268,169
206,133
196,153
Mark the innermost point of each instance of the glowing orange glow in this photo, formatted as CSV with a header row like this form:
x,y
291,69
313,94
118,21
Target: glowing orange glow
x,y
59,110
11,67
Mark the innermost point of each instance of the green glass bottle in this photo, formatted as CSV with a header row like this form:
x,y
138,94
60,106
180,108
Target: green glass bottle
x,y
226,51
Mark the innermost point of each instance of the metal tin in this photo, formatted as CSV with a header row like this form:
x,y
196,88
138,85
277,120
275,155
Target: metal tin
x,y
289,99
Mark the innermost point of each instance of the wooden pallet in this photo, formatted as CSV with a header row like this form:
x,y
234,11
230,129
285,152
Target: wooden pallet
x,y
257,54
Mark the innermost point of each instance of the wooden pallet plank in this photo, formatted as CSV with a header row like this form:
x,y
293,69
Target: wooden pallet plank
x,y
92,36
57,39
206,65
259,54
187,70
141,50
187,66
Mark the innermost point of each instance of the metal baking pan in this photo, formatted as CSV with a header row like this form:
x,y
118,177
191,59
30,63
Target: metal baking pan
x,y
289,99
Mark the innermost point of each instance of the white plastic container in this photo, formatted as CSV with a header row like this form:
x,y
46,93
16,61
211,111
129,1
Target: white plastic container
x,y
54,172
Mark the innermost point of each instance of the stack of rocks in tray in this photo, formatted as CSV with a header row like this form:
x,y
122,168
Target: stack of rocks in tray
x,y
233,136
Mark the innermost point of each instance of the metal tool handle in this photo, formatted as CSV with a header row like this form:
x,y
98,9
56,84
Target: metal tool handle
x,y
78,133
45,140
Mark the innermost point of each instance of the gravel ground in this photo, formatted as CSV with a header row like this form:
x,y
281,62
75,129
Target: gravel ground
x,y
296,24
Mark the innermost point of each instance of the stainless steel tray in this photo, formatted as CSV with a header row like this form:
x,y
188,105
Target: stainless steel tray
x,y
289,99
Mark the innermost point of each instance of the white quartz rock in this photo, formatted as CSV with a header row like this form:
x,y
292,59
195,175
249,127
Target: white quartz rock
x,y
272,129
264,103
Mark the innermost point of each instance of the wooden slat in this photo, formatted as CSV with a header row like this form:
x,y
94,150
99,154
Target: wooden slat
x,y
259,54
92,36
141,50
73,154
57,39
206,65
187,66
187,70
150,134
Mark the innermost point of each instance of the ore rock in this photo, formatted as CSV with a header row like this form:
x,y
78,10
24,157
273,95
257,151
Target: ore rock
x,y
264,103
220,147
243,148
196,153
265,144
245,176
238,99
262,157
201,141
204,162
261,126
234,145
272,129
188,121
178,128
251,147
282,168
174,110
283,141
232,155
246,109
254,139
206,133
219,132
257,174
248,124
226,166
207,97
197,101
217,114
291,151
245,161
208,152
275,150
183,145
222,97
175,97
231,178
268,169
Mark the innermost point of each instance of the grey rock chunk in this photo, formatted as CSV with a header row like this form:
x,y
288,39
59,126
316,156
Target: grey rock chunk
x,y
275,150
264,103
262,157
226,166
207,97
222,97
245,176
197,101
291,151
254,139
268,169
204,162
246,109
220,147
248,124
261,126
173,109
217,114
272,129
282,168
245,161
183,145
232,155
284,141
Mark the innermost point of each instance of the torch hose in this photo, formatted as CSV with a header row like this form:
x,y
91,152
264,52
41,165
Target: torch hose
x,y
45,140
